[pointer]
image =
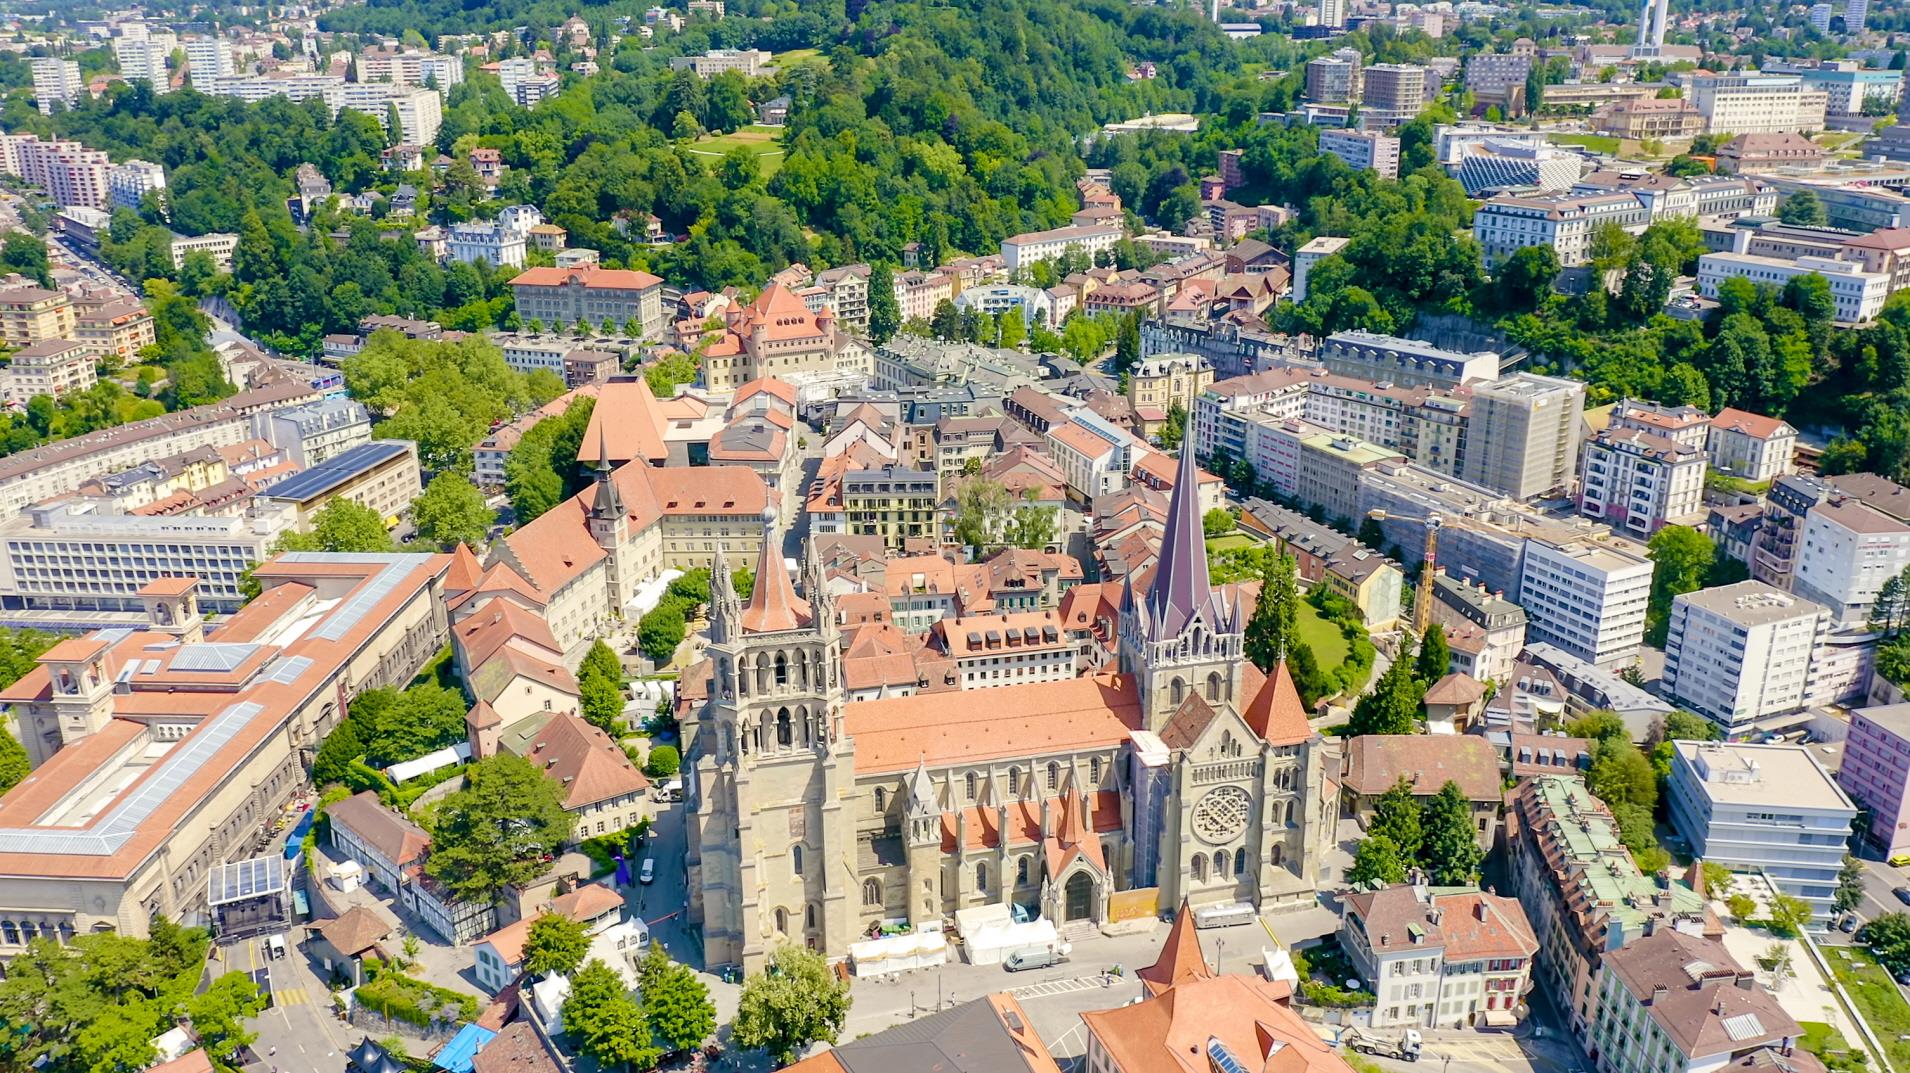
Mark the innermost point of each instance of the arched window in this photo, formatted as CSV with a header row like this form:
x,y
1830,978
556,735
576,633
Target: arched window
x,y
795,859
981,876
1213,685
782,728
782,921
1014,780
1177,692
1094,770
1240,861
1220,864
1289,819
782,669
809,916
872,892
1021,871
881,800
1054,775
1200,868
968,782
9,932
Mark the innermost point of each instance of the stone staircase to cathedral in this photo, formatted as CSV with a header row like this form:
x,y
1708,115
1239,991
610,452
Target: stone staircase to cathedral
x,y
1079,930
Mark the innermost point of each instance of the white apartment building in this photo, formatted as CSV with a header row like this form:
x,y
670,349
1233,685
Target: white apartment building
x,y
315,432
56,82
1509,223
749,61
207,58
129,183
410,68
51,367
1638,481
218,246
1022,251
1311,254
1673,1002
1588,599
1859,295
1757,103
294,87
1849,550
1750,446
473,242
70,173
1740,653
420,111
1092,463
1363,150
142,60
991,651
1763,807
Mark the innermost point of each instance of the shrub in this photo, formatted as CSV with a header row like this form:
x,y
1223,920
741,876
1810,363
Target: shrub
x,y
411,1000
663,762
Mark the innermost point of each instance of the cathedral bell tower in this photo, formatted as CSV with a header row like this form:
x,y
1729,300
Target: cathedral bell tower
x,y
771,839
1181,637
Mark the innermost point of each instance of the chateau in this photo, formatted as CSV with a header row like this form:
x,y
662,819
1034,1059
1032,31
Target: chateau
x,y
1181,770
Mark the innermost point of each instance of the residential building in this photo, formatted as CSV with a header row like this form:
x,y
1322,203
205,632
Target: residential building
x,y
991,1034
192,785
420,112
34,315
1750,446
1523,436
128,184
1459,604
1763,808
118,326
1491,74
498,959
1363,150
143,60
1766,152
410,67
207,59
1020,252
1334,79
392,851
1406,362
1582,893
1448,960
1509,223
316,432
1737,654
1327,557
51,367
217,246
1329,472
1586,598
1857,294
1375,763
70,173
892,502
1678,1003
382,475
1876,774
1848,550
1007,649
560,297
750,62
1391,94
1163,380
1757,103
1638,481
56,83
1315,251
472,242
604,793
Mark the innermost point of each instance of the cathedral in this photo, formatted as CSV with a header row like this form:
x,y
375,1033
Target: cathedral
x,y
1180,772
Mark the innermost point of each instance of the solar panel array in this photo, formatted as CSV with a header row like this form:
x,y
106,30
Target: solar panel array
x,y
212,656
347,614
333,472
247,879
285,671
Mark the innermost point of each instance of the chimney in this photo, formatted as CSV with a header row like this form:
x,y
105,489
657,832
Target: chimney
x,y
1479,910
1747,981
1658,992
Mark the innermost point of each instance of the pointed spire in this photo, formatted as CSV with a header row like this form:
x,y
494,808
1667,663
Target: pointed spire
x,y
1181,585
772,603
1181,958
603,450
922,790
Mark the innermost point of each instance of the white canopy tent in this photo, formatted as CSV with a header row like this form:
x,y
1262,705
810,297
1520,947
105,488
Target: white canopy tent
x,y
898,953
992,943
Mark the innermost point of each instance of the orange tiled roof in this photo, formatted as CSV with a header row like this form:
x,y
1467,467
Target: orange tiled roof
x,y
950,728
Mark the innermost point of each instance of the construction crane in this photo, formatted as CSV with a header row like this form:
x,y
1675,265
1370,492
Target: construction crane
x,y
1422,600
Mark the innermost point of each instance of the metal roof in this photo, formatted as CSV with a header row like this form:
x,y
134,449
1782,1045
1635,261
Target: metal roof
x,y
240,880
333,472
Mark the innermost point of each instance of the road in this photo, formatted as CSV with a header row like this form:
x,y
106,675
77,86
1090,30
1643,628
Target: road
x,y
299,1033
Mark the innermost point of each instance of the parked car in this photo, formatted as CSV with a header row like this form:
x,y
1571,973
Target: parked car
x,y
1039,957
1849,923
1903,894
648,873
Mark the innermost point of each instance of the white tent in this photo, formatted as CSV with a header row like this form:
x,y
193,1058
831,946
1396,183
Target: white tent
x,y
991,943
898,953
406,770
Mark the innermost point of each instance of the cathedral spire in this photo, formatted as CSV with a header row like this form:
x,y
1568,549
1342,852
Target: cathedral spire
x,y
772,603
1181,585
608,503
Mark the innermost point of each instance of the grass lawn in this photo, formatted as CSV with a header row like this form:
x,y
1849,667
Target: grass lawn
x,y
765,142
1597,143
1828,1044
1323,637
1877,998
1230,542
795,56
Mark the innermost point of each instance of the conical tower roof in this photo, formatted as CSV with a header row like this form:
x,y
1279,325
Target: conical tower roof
x,y
1181,584
1181,958
773,604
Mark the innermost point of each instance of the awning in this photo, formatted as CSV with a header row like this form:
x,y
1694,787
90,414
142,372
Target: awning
x,y
1498,1018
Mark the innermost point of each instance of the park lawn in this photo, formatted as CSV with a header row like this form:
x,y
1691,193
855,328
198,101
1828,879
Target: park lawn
x,y
795,56
1230,542
765,142
1877,998
1323,637
1597,143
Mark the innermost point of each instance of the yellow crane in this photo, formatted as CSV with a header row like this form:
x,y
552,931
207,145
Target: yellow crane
x,y
1422,600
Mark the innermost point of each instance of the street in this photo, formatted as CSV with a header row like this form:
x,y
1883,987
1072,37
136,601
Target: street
x,y
299,1032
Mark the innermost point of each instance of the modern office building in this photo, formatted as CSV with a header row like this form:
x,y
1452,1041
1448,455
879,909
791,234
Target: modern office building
x,y
1857,294
1740,653
1849,86
750,62
1588,599
1523,436
1768,808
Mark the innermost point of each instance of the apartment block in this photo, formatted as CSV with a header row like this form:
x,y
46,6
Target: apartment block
x,y
1329,472
1750,446
410,67
1509,223
70,173
1334,79
1847,551
893,502
1740,653
1158,382
1876,774
382,475
142,60
1455,959
1639,482
1391,94
217,245
34,315
1315,251
750,62
1363,150
316,432
128,184
1523,437
207,59
1769,808
1673,1002
1588,599
51,367
56,83
1022,251
119,326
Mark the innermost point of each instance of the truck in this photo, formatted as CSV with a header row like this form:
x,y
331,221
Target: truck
x,y
1404,1047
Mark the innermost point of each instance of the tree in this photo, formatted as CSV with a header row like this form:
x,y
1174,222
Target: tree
x,y
1435,656
1127,345
601,702
1450,849
555,945
601,659
1681,559
1599,725
14,765
667,373
1534,89
662,762
1850,885
945,323
1789,914
660,631
340,525
1393,705
1370,533
1891,609
885,315
499,830
25,253
1526,278
1803,209
1378,860
678,1004
1888,937
796,1003
1397,816
1274,624
1740,906
1217,522
1620,774
606,1022
451,511
219,1017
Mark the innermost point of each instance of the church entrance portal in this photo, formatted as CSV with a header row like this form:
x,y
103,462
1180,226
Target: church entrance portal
x,y
1080,898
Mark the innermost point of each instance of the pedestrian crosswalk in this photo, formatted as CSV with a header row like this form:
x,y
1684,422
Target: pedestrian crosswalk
x,y
1057,987
291,996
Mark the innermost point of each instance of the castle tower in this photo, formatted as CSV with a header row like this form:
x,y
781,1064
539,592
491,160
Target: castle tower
x,y
1181,638
772,841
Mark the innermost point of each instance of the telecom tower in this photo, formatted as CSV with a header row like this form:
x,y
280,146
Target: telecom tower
x,y
1651,28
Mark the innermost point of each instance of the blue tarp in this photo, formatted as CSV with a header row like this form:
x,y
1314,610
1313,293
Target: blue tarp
x,y
456,1055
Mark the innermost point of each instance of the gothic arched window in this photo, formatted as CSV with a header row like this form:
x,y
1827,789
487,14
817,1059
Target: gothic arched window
x,y
1177,692
1199,868
981,876
1213,685
1054,775
795,859
872,892
782,669
968,783
782,921
881,800
1094,770
783,732
1240,861
1220,864
1021,870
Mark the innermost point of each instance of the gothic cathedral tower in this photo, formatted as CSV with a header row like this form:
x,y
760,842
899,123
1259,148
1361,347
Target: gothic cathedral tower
x,y
1182,637
770,842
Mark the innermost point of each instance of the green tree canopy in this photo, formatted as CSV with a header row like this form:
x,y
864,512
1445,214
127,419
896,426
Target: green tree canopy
x,y
340,525
499,830
555,944
1435,656
1450,849
1393,705
1378,860
797,1003
1274,625
677,1003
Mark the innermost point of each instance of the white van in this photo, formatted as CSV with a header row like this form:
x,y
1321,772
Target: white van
x,y
1225,916
671,790
275,947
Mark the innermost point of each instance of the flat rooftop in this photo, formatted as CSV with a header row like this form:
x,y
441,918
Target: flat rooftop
x,y
1736,773
1751,603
